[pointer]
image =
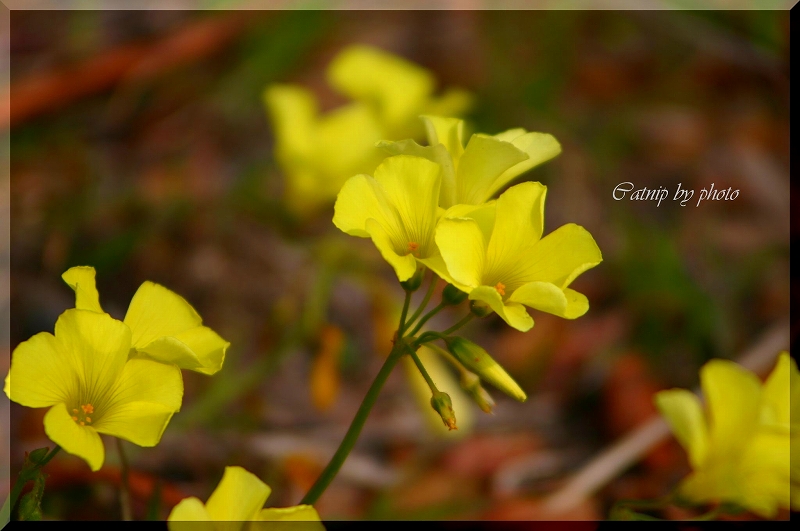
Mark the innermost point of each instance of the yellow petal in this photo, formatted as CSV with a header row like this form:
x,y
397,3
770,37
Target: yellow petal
x,y
453,102
397,88
764,470
156,312
42,373
239,496
484,160
81,280
188,515
142,403
361,198
511,312
298,513
412,187
683,412
519,222
776,396
446,131
146,380
293,110
198,349
141,423
560,256
463,250
82,441
539,147
97,347
435,153
733,395
404,265
548,298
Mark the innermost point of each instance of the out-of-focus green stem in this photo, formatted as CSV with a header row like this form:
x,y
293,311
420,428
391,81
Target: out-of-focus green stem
x,y
403,315
355,427
124,484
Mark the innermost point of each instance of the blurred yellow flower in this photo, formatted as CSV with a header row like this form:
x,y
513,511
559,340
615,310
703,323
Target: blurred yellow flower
x,y
319,152
496,253
239,498
164,326
397,209
739,447
475,173
83,374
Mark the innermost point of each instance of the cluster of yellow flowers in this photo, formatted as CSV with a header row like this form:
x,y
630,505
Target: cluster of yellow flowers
x,y
432,206
123,378
318,152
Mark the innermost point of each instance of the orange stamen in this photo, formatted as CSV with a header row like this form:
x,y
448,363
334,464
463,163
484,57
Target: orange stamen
x,y
413,247
501,288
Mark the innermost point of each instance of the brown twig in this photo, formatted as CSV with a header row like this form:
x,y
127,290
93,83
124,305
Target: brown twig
x,y
44,92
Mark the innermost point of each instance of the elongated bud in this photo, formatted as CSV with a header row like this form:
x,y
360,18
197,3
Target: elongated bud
x,y
471,383
444,407
413,283
480,308
481,363
452,296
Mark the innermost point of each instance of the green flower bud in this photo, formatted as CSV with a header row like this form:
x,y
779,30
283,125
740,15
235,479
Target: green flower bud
x,y
413,283
481,363
471,383
444,407
480,308
452,296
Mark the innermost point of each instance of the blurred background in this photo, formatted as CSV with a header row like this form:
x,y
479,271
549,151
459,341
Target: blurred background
x,y
140,146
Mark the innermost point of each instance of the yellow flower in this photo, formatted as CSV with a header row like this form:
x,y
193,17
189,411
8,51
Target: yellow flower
x,y
164,326
472,175
496,253
739,447
82,373
319,152
397,209
239,498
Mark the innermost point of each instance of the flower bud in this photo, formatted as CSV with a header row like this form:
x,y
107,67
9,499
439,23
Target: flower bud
x,y
481,363
413,283
480,308
444,407
471,383
452,296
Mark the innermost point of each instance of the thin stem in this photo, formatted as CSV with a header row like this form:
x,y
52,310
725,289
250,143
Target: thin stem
x,y
23,478
403,315
124,484
425,301
422,370
425,318
459,324
355,427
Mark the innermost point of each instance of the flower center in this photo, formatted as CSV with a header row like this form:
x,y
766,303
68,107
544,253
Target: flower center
x,y
413,248
501,289
82,416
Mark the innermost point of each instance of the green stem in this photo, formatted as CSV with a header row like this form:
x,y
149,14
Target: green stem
x,y
355,427
422,370
124,484
425,318
403,315
425,301
22,479
458,325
